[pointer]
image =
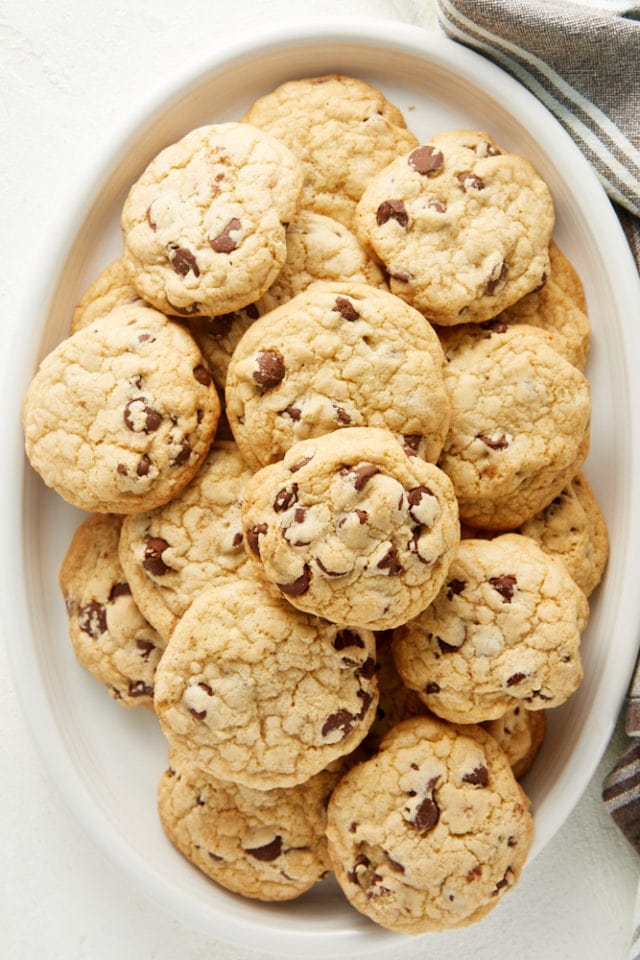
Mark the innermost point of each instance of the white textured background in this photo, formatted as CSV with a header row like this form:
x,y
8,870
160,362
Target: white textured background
x,y
70,73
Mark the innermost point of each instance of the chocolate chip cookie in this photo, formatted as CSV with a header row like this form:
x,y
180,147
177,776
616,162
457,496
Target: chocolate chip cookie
x,y
337,355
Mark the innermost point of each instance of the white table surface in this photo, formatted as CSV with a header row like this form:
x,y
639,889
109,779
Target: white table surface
x,y
66,69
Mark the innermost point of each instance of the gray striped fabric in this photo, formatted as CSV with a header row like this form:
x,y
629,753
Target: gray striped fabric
x,y
582,60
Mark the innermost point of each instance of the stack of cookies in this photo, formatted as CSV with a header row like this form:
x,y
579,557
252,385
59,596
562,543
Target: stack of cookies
x,y
328,414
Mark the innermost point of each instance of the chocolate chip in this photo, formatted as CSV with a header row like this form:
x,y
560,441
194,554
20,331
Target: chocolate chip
x,y
294,412
432,687
501,884
346,309
341,414
146,646
202,375
153,562
392,210
92,619
149,219
139,417
412,442
253,537
340,720
495,326
394,864
224,242
474,873
437,205
198,714
362,515
183,454
402,275
182,260
139,688
469,181
479,776
414,496
445,647
353,826
494,281
120,589
297,587
347,638
515,678
285,498
330,573
455,588
300,464
360,861
496,443
426,160
360,475
215,856
144,465
237,540
504,585
426,815
122,470
270,851
391,562
367,669
270,371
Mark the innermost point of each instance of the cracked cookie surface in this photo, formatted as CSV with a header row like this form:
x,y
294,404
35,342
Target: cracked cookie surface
x,y
504,630
110,636
337,355
204,225
342,129
265,844
461,226
121,414
433,831
262,694
173,552
519,429
352,528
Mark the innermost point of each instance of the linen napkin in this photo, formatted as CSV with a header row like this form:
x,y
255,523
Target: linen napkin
x,y
582,60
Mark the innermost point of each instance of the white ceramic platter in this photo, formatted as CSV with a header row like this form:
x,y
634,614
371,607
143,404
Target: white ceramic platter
x,y
107,760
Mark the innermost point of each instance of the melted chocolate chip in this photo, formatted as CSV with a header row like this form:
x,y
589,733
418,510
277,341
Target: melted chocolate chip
x,y
426,815
499,443
92,619
139,417
224,242
479,776
183,454
341,414
515,678
360,475
414,496
153,562
412,442
360,861
347,638
391,562
270,851
146,647
367,669
300,464
504,585
144,466
494,281
270,371
139,688
426,160
202,375
437,205
198,714
392,210
294,412
455,588
120,589
182,260
469,181
340,720
346,309
297,587
285,498
253,537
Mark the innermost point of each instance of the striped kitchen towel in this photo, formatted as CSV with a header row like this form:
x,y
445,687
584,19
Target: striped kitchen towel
x,y
582,60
